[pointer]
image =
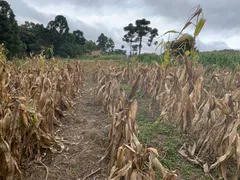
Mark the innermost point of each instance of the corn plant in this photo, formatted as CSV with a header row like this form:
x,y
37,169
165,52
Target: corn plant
x,y
129,159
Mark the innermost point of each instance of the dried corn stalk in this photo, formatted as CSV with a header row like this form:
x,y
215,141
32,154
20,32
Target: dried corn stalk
x,y
203,104
33,97
129,159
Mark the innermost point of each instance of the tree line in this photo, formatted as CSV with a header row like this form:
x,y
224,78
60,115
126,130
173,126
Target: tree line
x,y
56,39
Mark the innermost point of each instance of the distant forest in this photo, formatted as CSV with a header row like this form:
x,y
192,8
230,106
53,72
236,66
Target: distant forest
x,y
55,39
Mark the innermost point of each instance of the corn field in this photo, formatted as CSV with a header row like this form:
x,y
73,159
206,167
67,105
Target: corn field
x,y
34,96
203,104
201,101
221,59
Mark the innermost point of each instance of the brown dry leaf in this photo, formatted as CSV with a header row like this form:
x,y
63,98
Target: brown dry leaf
x,y
223,169
237,156
236,95
8,164
133,111
206,168
112,172
134,175
154,151
55,150
136,143
5,123
183,153
222,158
120,157
122,172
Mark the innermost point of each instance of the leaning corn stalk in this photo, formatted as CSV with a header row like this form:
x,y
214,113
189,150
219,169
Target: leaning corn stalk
x,y
218,137
129,159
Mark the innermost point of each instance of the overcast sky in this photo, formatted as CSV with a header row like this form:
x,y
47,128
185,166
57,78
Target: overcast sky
x,y
221,31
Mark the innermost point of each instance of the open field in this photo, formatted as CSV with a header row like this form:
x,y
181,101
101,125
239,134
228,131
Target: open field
x,y
111,119
73,108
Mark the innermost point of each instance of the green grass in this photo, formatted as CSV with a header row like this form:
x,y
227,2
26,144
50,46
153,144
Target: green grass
x,y
166,138
126,88
103,57
75,171
149,58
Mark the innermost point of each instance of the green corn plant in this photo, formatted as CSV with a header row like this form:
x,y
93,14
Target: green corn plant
x,y
183,40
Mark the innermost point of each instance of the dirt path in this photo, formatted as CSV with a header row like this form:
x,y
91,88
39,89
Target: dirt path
x,y
87,131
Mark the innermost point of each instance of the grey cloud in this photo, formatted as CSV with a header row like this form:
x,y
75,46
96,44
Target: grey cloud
x,y
216,45
220,14
90,32
24,11
96,4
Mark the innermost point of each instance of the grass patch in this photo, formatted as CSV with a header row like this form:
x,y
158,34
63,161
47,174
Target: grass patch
x,y
126,88
149,58
166,138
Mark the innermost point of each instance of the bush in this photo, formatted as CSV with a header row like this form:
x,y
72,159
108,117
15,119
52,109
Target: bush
x,y
149,58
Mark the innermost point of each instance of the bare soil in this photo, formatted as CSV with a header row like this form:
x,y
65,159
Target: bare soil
x,y
85,133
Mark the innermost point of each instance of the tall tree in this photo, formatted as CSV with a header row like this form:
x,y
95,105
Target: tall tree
x,y
110,45
79,38
33,36
59,24
129,38
102,42
58,33
9,30
137,32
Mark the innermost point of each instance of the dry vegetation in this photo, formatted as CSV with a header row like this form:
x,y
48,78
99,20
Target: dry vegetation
x,y
201,102
33,98
128,157
204,105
